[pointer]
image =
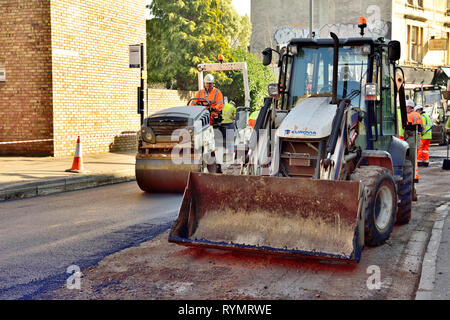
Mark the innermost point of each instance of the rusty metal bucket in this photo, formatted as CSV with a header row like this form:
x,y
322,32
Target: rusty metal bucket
x,y
281,216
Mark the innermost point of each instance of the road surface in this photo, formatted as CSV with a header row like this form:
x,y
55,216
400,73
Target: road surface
x,y
117,236
40,238
161,270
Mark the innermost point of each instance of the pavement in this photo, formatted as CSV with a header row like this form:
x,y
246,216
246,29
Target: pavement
x,y
23,177
435,277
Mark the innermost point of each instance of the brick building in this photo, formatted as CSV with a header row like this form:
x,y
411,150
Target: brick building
x,y
67,72
422,27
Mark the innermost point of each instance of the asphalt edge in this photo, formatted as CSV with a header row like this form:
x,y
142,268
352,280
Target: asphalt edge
x,y
428,275
58,185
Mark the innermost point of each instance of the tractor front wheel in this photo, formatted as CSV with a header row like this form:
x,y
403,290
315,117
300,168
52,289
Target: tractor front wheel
x,y
380,205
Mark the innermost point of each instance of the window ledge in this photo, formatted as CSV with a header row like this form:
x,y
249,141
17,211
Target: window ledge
x,y
413,17
414,7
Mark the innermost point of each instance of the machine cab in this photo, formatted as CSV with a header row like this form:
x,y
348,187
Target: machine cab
x,y
365,76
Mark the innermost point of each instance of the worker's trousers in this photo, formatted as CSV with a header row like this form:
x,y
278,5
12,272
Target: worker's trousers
x,y
423,155
417,176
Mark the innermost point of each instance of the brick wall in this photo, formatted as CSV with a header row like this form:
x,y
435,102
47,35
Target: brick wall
x,y
68,75
94,90
159,99
26,96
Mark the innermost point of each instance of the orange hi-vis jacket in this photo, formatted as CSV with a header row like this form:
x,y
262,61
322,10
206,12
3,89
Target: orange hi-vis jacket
x,y
215,96
415,118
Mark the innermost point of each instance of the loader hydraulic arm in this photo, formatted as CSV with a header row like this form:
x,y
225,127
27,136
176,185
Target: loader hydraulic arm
x,y
400,86
335,130
261,122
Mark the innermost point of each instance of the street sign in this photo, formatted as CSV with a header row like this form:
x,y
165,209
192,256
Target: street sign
x,y
437,44
137,61
135,56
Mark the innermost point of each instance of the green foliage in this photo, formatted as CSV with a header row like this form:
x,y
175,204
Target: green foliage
x,y
184,33
237,28
259,77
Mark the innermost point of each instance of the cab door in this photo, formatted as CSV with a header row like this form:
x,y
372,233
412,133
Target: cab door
x,y
385,105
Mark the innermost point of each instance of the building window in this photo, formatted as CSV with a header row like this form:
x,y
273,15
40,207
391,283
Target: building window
x,y
415,43
418,5
448,48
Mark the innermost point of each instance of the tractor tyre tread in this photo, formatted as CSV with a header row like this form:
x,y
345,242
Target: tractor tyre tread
x,y
405,194
373,177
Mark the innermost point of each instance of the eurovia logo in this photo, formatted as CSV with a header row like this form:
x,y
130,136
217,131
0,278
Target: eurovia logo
x,y
304,132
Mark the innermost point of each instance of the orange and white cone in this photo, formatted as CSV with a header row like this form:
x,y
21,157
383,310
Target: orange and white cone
x,y
77,165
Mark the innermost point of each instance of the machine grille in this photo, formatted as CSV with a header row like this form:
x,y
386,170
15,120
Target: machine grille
x,y
300,159
166,127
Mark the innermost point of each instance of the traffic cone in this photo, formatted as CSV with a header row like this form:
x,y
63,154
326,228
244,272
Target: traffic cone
x,y
77,165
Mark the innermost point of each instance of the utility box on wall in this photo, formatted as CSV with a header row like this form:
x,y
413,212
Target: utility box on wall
x,y
135,55
2,72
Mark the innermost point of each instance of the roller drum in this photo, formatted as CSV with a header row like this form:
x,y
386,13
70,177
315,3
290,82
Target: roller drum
x,y
155,175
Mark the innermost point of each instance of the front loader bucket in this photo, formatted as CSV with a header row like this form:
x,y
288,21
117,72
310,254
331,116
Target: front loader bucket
x,y
282,216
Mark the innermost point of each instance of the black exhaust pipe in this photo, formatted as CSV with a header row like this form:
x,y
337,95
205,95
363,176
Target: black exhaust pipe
x,y
334,99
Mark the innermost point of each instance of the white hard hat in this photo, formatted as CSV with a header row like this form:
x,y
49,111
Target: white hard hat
x,y
209,78
418,107
410,103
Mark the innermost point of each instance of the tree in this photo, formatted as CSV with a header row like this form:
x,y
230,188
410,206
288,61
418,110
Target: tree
x,y
237,28
182,34
259,77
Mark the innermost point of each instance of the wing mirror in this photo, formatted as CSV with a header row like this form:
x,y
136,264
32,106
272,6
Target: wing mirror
x,y
273,90
394,50
267,56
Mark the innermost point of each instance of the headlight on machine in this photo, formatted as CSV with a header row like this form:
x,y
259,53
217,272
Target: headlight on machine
x,y
185,135
371,91
148,135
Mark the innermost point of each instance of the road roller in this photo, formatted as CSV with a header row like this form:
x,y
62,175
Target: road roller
x,y
179,140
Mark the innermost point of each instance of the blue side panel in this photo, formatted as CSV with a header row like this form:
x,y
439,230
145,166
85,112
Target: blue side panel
x,y
397,149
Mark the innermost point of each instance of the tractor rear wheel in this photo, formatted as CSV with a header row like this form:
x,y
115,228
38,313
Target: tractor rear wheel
x,y
405,194
380,205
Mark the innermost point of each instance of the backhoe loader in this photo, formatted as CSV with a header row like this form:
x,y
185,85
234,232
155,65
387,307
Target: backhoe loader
x,y
326,173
